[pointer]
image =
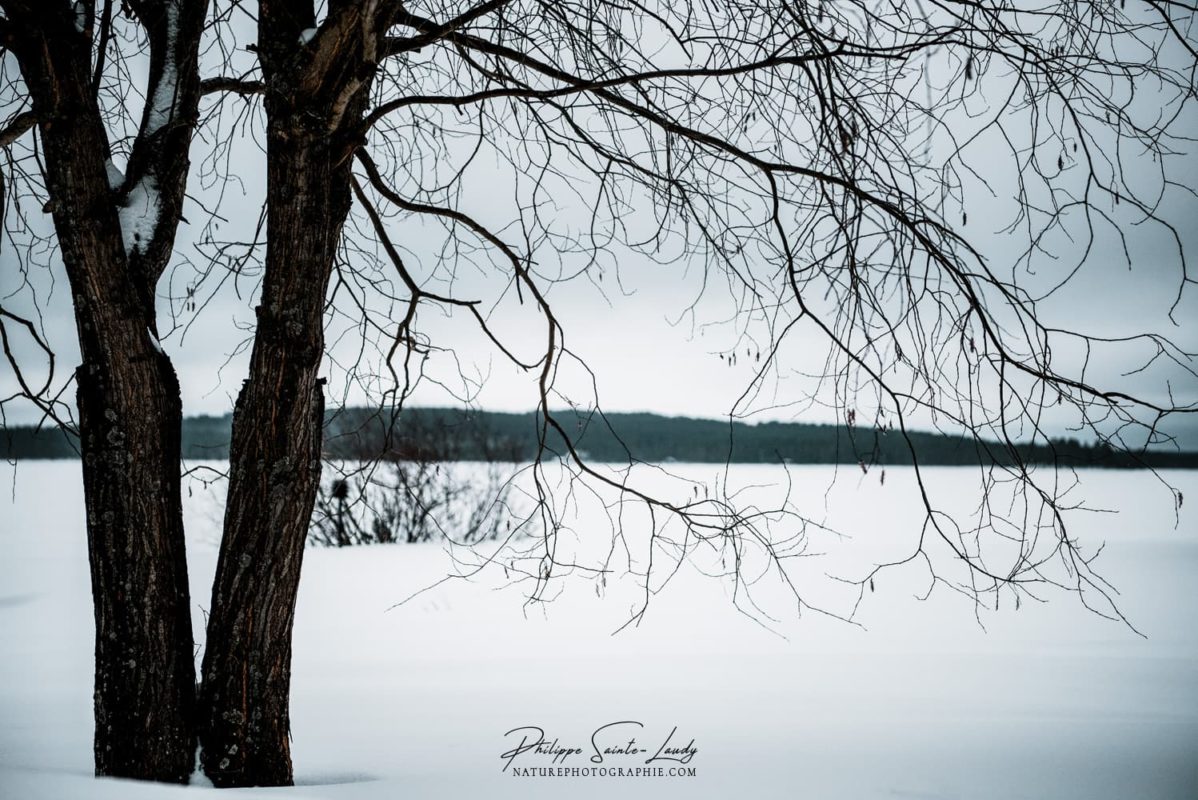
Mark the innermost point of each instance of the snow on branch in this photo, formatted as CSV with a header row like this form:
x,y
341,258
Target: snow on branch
x,y
162,104
139,215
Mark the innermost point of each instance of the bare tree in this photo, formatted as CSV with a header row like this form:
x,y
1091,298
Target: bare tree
x,y
115,235
815,162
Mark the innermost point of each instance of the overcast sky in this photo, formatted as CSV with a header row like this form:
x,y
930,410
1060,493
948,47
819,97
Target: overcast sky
x,y
645,352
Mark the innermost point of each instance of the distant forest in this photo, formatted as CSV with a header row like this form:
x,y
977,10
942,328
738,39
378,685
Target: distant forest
x,y
442,434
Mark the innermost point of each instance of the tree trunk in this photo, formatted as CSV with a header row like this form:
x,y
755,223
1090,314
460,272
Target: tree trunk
x,y
129,418
274,471
316,92
130,415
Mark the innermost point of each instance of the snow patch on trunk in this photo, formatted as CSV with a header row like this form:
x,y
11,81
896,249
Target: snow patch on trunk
x,y
157,345
139,215
80,16
162,101
198,778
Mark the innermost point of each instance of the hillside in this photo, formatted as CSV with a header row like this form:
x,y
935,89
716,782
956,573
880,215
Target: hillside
x,y
455,435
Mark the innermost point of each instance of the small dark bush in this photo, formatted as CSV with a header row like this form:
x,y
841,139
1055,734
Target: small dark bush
x,y
409,487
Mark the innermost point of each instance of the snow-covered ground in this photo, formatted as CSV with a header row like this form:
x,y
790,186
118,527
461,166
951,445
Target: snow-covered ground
x,y
413,702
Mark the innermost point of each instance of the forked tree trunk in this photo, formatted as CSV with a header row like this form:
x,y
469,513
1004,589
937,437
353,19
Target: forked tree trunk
x,y
128,396
274,471
129,407
316,90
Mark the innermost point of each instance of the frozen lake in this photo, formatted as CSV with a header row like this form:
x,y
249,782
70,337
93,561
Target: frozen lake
x,y
1047,701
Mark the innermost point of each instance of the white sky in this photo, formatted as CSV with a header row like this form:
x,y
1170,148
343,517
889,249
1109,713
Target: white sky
x,y
641,360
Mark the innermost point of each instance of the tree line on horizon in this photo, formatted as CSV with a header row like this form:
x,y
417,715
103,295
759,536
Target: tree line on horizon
x,y
443,434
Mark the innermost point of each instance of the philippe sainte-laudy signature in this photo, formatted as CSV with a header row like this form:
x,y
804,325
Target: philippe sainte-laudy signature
x,y
615,741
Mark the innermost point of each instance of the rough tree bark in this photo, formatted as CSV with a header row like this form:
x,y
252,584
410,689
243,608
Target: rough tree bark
x,y
128,396
315,97
273,476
